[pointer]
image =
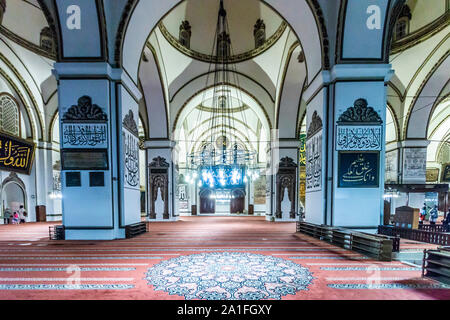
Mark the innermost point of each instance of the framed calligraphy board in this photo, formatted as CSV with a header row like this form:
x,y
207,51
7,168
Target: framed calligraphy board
x,y
446,173
355,137
84,159
358,169
16,154
84,135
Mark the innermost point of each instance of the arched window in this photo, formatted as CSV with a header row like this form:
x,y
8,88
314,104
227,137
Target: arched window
x,y
259,32
9,115
48,40
402,24
185,34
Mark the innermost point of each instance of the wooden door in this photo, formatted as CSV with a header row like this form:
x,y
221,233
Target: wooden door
x,y
207,204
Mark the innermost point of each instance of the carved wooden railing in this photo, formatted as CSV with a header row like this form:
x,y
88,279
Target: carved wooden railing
x,y
439,238
432,228
376,246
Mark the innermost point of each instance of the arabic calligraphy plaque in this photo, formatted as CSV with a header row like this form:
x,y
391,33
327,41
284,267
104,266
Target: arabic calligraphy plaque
x,y
358,169
359,137
314,162
88,135
16,154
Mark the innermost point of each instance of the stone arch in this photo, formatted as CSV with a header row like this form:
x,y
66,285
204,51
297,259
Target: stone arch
x,y
395,121
353,17
434,87
13,178
300,15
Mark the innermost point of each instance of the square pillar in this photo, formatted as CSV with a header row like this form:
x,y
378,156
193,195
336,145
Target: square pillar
x,y
98,108
345,147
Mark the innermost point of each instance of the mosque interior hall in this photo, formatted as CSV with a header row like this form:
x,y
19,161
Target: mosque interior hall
x,y
224,150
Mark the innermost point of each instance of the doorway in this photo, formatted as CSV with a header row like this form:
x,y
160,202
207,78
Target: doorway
x,y
13,196
207,202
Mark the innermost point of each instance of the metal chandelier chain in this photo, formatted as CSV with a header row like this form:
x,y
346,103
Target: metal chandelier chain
x,y
222,122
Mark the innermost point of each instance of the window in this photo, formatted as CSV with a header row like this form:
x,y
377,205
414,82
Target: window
x,y
185,34
9,115
401,28
402,25
259,32
48,40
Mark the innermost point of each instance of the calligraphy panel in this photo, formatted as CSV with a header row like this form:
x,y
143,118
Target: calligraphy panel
x,y
260,190
89,135
359,138
391,166
415,164
131,159
16,154
314,162
358,169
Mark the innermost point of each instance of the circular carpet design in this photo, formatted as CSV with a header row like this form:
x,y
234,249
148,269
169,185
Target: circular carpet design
x,y
229,276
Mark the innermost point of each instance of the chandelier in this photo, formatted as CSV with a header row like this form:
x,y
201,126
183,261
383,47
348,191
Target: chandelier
x,y
221,161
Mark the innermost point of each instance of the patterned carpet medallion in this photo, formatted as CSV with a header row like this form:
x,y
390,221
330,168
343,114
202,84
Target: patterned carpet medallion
x,y
229,276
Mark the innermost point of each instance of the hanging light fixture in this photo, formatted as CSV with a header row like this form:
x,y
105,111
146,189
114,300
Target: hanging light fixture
x,y
221,161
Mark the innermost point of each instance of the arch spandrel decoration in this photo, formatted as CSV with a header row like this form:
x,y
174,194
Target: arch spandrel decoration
x,y
360,112
316,125
159,180
130,124
359,128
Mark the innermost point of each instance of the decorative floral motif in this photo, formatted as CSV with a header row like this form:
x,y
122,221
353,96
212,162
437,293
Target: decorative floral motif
x,y
85,111
229,276
361,113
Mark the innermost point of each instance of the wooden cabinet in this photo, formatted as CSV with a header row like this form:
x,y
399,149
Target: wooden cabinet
x,y
41,214
406,217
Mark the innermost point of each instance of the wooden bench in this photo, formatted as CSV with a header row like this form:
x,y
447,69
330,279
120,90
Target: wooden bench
x,y
133,230
436,264
56,232
376,246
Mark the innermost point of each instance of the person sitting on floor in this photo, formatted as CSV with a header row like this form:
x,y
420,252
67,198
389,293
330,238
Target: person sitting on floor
x,y
16,218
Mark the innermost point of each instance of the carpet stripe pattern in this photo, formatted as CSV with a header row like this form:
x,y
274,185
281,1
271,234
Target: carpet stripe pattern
x,y
201,258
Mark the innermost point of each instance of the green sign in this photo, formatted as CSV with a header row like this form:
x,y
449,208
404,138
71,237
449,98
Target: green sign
x,y
302,159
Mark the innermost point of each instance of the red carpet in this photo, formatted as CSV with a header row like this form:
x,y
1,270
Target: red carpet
x,y
32,267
